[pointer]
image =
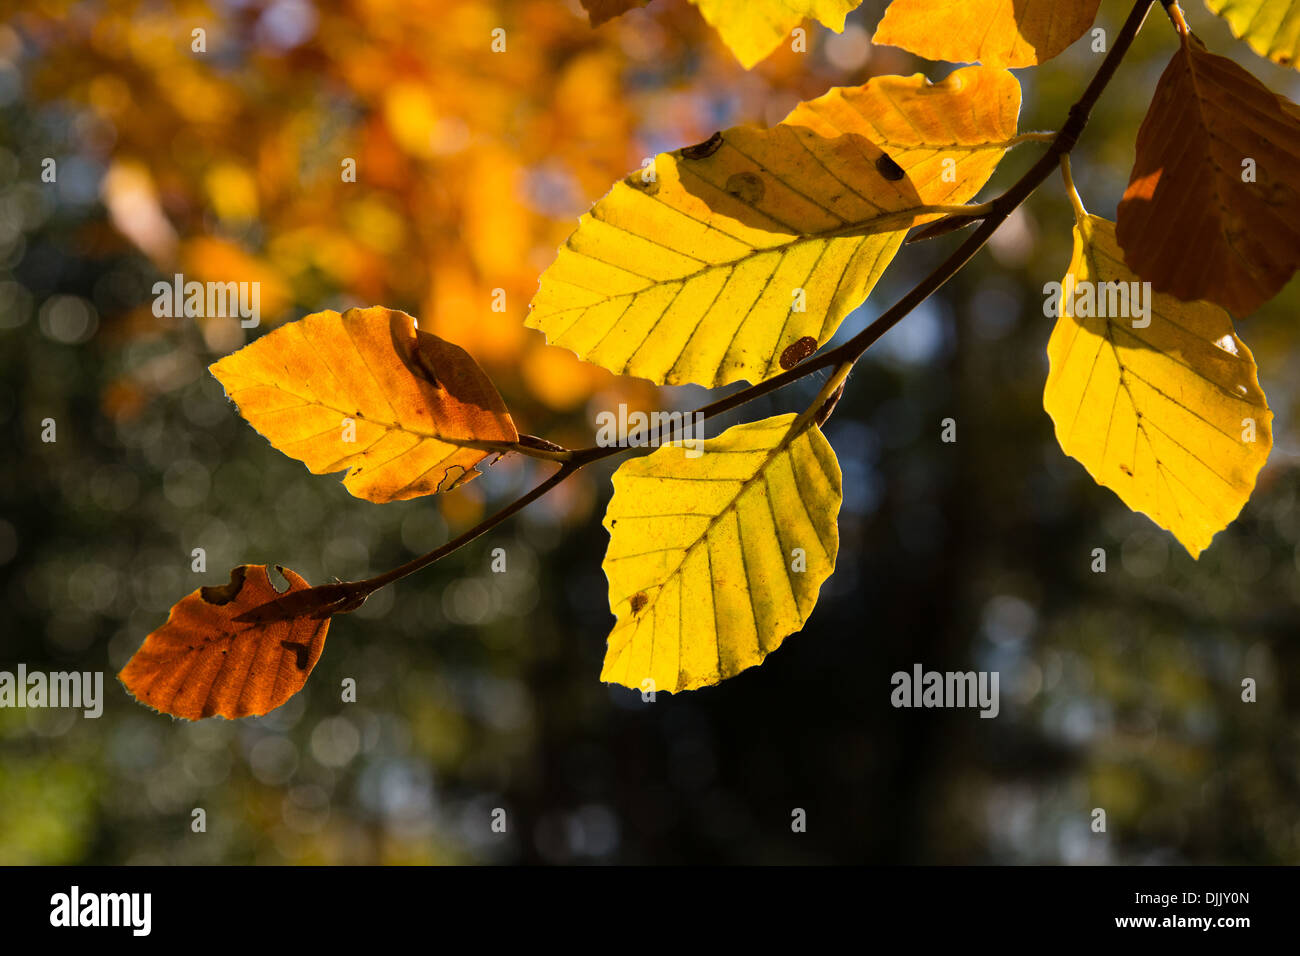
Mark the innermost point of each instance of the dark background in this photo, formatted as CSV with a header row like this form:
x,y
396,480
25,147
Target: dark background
x,y
476,691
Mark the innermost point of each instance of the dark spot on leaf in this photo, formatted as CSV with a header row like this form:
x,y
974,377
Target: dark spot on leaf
x,y
1126,470
300,650
638,181
703,150
225,593
638,601
798,351
889,169
747,187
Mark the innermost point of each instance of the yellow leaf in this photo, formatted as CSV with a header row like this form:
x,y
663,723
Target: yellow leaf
x,y
752,29
1271,27
1009,33
709,266
405,411
1169,416
705,552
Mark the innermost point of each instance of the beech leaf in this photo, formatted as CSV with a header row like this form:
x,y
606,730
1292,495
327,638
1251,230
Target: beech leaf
x,y
1169,415
1009,33
205,661
752,29
1270,27
710,266
714,559
1212,209
405,412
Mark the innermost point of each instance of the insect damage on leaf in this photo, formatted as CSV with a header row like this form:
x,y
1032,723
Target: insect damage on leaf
x,y
225,593
703,150
747,187
888,168
207,660
797,351
403,411
691,285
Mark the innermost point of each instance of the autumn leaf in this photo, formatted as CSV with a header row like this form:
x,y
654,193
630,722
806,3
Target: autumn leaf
x,y
407,413
1010,33
752,29
1212,209
1271,27
707,267
714,559
205,661
1168,415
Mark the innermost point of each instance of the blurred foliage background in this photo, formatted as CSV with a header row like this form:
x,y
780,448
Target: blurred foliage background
x,y
477,690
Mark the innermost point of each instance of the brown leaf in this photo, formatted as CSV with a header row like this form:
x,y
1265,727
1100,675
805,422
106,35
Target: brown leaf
x,y
205,661
1194,222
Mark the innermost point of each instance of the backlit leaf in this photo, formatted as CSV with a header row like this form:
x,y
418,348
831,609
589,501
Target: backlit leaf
x,y
752,29
204,662
405,411
1169,416
709,267
1271,27
1008,33
1212,209
714,559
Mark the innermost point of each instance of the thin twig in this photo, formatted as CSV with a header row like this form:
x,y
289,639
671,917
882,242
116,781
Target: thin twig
x,y
843,356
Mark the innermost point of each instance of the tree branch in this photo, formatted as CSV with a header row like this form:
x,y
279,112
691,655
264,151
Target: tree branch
x,y
843,356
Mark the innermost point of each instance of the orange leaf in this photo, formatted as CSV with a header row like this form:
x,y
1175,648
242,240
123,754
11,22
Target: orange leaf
x,y
1006,33
1212,209
205,661
407,412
